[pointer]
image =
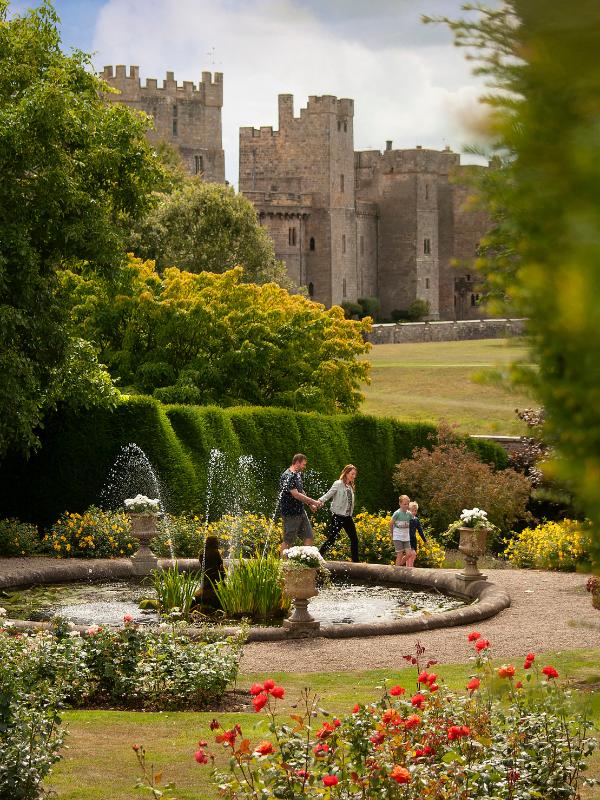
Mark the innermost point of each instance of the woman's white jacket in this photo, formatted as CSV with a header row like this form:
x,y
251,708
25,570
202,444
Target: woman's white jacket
x,y
339,499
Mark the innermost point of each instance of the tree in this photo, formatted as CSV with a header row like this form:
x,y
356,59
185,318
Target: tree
x,y
211,338
206,227
543,258
74,170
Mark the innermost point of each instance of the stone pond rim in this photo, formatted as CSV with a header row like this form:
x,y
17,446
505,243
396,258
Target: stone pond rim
x,y
487,599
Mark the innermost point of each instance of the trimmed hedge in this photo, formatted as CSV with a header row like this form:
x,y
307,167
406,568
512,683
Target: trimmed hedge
x,y
68,472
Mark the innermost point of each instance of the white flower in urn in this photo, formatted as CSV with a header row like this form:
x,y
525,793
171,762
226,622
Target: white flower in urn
x,y
475,518
140,504
303,557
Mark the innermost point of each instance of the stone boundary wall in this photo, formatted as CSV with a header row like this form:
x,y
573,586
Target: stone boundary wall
x,y
462,330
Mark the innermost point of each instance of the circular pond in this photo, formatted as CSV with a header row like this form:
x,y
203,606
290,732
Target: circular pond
x,y
106,603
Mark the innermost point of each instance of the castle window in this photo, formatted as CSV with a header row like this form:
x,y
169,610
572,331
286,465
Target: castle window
x,y
341,183
473,301
345,127
426,191
362,245
344,287
292,236
427,283
427,246
311,289
311,244
343,242
174,127
469,278
175,110
198,164
339,125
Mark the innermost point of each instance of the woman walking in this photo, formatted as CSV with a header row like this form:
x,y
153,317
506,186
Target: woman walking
x,y
341,495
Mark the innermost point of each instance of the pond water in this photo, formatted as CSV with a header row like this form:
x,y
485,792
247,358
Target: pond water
x,y
107,603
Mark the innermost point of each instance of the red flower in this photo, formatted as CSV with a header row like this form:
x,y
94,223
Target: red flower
x,y
550,672
331,780
336,723
301,773
260,701
135,747
202,743
473,684
417,700
482,644
529,659
457,732
268,685
356,709
278,692
424,751
255,689
423,677
264,748
396,691
325,731
473,636
400,774
378,738
506,671
201,757
432,678
519,685
433,687
228,737
412,721
321,749
127,618
215,724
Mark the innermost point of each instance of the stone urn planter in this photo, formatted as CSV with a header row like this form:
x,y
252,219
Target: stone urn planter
x,y
300,585
143,528
593,587
472,544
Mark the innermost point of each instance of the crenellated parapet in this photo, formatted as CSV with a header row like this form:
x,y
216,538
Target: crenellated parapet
x,y
209,90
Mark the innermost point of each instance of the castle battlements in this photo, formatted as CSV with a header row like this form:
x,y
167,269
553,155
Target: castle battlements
x,y
209,90
416,159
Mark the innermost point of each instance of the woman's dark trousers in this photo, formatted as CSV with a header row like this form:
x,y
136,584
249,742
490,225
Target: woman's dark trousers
x,y
335,526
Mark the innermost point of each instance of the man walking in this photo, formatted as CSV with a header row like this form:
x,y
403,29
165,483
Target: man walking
x,y
292,500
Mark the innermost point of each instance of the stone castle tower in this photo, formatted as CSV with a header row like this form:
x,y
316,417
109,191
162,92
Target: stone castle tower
x,y
362,224
186,116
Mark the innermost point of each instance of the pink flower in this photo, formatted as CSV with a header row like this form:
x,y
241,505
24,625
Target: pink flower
x,y
201,757
127,618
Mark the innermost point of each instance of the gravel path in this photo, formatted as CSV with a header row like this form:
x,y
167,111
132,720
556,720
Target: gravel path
x,y
549,611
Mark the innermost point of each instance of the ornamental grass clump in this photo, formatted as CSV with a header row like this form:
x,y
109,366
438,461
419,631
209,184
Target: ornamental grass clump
x,y
253,588
512,734
175,590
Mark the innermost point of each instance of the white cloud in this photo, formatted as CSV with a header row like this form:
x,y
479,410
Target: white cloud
x,y
412,94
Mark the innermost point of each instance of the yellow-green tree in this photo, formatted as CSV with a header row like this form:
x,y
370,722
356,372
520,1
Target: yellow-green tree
x,y
211,338
541,61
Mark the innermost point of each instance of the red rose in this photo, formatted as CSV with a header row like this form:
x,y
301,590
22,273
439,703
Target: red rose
x,y
321,749
530,657
377,738
423,677
417,700
201,757
432,677
457,732
325,731
264,748
336,723
433,687
202,743
255,689
127,618
506,671
519,685
550,672
268,685
215,724
482,644
396,691
331,780
278,692
473,684
356,709
260,701
400,774
473,636
412,721
301,773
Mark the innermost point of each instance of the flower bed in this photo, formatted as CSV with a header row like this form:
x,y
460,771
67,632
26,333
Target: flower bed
x,y
18,538
552,545
515,734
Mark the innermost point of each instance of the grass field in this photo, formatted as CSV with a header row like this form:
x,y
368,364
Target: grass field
x,y
99,763
436,381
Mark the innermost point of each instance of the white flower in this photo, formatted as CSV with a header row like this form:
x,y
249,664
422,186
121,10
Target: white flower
x,y
141,504
2,612
305,555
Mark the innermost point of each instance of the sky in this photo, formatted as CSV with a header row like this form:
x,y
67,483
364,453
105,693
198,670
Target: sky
x,y
409,83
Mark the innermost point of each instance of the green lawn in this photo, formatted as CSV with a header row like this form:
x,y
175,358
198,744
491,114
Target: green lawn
x,y
100,764
442,381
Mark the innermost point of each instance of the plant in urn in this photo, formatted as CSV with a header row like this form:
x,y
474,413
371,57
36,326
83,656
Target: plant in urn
x,y
143,513
474,528
300,566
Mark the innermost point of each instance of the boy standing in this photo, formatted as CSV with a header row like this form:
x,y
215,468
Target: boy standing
x,y
400,531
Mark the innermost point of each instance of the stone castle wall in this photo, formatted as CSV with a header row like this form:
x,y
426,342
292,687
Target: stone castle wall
x,y
461,330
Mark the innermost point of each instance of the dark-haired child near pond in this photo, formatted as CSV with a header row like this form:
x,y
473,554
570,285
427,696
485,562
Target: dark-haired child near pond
x,y
414,527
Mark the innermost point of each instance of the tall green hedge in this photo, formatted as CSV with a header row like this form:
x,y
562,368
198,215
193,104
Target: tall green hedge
x,y
77,451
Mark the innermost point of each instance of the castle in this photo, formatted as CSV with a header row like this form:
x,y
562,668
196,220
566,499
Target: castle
x,y
348,224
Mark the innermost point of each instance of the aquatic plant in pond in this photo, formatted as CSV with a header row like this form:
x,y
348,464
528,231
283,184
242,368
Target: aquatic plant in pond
x,y
253,588
175,590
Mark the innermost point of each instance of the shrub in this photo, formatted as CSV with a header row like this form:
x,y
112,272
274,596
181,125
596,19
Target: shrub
x,y
552,545
37,674
375,544
450,477
184,533
503,738
93,534
18,538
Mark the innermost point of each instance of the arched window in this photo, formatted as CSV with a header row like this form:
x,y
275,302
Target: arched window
x,y
311,289
311,244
